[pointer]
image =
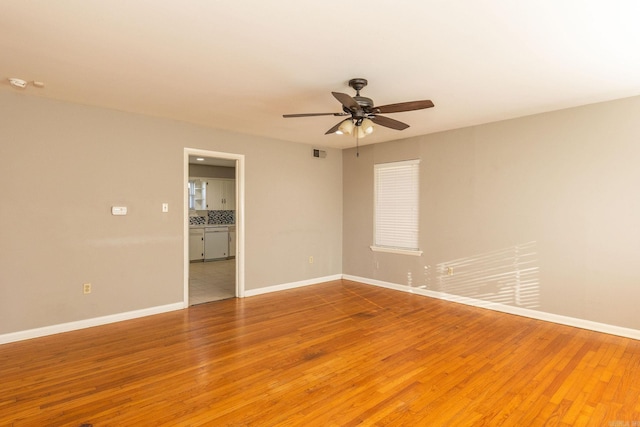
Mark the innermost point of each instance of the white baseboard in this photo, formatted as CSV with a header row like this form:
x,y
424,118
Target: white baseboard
x,y
97,321
87,323
525,312
519,311
292,285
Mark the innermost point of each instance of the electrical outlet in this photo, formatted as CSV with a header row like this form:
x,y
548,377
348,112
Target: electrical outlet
x,y
450,271
86,288
311,260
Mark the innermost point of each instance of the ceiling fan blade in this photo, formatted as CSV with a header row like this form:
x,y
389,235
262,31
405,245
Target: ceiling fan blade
x,y
350,103
287,116
390,123
404,106
334,129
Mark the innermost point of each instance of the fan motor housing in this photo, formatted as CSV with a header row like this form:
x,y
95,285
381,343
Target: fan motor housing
x,y
364,102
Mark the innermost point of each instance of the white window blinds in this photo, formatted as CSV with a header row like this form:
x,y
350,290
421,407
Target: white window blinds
x,y
396,205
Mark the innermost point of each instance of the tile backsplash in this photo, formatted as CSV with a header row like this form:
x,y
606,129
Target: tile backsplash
x,y
221,217
197,220
214,217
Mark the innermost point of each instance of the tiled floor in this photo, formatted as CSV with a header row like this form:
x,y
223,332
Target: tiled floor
x,y
212,281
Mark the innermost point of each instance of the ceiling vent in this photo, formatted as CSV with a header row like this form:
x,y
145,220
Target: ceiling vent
x,y
319,153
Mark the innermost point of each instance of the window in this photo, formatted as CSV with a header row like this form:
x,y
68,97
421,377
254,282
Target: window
x,y
396,207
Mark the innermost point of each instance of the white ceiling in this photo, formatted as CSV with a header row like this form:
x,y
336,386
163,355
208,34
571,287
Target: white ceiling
x,y
212,161
240,64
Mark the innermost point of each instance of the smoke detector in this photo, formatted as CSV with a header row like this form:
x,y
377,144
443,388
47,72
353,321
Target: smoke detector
x,y
19,83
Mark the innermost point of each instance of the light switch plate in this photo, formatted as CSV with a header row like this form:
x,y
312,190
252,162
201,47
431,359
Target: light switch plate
x,y
165,207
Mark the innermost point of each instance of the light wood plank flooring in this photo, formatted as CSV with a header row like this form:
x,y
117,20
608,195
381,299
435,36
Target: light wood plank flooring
x,y
212,281
334,354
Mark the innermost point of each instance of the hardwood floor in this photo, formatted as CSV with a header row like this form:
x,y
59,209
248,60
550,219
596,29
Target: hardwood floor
x,y
335,354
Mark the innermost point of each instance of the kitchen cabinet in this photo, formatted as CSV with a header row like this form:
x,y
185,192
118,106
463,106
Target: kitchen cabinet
x,y
197,194
232,241
196,244
229,193
221,194
216,243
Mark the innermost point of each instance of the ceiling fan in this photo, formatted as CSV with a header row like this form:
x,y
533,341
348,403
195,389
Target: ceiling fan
x,y
363,113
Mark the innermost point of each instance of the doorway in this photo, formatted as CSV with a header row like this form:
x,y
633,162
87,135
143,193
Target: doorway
x,y
222,277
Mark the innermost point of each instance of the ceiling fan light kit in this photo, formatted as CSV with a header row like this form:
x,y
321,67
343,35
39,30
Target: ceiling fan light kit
x,y
346,127
367,126
363,112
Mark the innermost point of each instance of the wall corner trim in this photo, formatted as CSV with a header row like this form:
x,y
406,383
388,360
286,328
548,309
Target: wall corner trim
x,y
518,311
87,323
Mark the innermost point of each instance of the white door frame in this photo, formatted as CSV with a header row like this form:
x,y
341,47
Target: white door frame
x,y
239,158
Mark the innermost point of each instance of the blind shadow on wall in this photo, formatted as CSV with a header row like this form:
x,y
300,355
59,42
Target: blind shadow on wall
x,y
508,276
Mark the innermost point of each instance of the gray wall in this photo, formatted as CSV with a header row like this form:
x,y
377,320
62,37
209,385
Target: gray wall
x,y
546,205
540,212
62,167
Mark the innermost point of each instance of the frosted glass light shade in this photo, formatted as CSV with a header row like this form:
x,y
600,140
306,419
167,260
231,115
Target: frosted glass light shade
x,y
367,126
346,127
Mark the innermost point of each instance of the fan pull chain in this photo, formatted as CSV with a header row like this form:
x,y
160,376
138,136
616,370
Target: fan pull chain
x,y
357,145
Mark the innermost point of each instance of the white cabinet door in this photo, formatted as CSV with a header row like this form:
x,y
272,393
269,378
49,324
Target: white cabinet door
x,y
221,194
216,243
214,195
232,243
196,244
229,194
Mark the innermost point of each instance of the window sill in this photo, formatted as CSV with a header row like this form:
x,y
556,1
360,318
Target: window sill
x,y
412,252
